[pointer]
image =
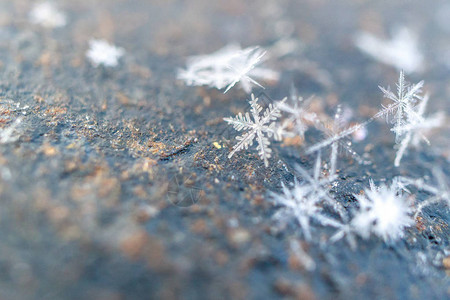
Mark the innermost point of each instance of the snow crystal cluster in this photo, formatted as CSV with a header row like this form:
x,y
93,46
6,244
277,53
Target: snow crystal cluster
x,y
384,211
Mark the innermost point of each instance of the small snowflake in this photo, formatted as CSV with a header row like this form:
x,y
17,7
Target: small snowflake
x,y
403,103
338,135
401,51
47,15
260,128
415,129
408,107
384,212
299,203
299,118
226,67
102,53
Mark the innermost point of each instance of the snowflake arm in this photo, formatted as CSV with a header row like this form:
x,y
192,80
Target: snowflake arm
x,y
336,136
440,192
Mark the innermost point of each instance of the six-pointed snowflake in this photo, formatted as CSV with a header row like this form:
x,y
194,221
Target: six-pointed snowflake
x,y
260,128
299,118
337,137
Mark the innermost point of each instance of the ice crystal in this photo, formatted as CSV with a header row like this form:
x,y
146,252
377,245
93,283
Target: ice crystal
x,y
337,137
102,53
403,103
47,15
440,192
401,51
297,203
383,211
408,108
304,201
415,128
226,67
299,118
260,128
318,185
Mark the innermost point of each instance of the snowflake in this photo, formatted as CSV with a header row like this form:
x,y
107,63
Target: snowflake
x,y
226,67
408,108
299,203
260,128
299,117
319,186
440,193
383,211
337,136
415,128
403,103
401,51
102,53
304,202
47,15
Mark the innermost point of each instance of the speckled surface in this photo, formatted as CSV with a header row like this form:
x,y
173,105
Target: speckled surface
x,y
115,190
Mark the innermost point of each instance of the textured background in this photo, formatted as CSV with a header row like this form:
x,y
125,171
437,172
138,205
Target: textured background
x,y
96,194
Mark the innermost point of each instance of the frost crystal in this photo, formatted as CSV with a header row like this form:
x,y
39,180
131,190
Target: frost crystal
x,y
102,53
403,103
47,15
337,136
401,51
299,117
297,203
260,128
318,186
408,108
226,67
304,201
414,130
383,212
